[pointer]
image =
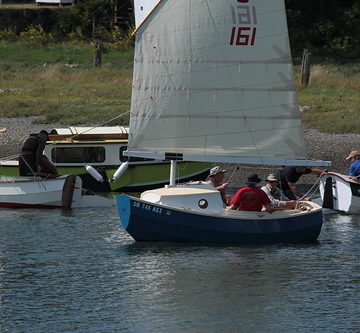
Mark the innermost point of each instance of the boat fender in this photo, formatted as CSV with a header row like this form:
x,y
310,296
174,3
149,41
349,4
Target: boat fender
x,y
120,171
97,176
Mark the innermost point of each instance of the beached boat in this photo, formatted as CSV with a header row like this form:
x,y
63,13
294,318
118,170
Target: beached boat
x,y
213,82
340,193
35,192
72,149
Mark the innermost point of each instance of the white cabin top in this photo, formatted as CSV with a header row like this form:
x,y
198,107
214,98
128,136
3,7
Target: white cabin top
x,y
90,130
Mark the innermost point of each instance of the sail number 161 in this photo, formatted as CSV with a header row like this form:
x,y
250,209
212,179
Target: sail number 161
x,y
244,23
243,36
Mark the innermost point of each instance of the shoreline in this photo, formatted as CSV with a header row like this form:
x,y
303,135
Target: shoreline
x,y
320,146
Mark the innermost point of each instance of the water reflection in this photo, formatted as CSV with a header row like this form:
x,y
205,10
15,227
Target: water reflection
x,y
80,271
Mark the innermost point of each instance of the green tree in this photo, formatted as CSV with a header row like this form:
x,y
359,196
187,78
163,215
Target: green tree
x,y
96,18
325,27
89,18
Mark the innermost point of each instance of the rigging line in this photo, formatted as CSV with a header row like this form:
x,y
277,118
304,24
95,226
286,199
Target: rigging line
x,y
236,95
315,187
34,174
232,174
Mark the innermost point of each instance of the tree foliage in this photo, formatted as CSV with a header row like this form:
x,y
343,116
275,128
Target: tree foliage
x,y
89,18
325,27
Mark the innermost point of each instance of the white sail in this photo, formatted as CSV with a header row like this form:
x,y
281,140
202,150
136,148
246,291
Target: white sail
x,y
142,9
213,81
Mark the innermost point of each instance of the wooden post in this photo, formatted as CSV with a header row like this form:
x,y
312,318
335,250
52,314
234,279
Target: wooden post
x,y
305,68
93,27
115,14
98,54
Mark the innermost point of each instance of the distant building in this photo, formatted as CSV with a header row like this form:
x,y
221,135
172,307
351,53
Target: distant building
x,y
60,2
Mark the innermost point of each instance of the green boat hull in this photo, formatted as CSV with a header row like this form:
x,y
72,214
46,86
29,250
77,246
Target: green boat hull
x,y
138,177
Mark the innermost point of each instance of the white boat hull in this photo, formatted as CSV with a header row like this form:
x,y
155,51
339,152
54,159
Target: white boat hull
x,y
340,193
62,192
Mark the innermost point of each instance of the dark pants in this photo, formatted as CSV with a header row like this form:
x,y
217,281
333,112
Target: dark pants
x,y
289,194
27,165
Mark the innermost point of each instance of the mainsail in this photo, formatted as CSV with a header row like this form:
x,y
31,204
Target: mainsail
x,y
213,81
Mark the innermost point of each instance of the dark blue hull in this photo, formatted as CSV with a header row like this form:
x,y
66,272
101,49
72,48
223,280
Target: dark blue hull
x,y
150,222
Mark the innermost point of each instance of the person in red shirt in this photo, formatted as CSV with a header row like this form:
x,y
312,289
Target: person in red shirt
x,y
251,197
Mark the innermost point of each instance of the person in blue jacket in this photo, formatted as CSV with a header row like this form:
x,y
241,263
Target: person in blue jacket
x,y
354,159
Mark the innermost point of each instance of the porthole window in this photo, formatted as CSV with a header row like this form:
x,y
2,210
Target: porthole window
x,y
203,203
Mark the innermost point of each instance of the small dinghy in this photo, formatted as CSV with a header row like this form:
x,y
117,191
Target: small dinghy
x,y
35,192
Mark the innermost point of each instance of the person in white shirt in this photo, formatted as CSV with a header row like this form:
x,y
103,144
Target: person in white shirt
x,y
276,196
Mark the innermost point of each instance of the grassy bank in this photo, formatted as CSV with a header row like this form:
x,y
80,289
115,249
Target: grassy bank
x,y
60,83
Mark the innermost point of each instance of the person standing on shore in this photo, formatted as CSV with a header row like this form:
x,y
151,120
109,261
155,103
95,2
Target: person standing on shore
x,y
288,177
354,159
31,152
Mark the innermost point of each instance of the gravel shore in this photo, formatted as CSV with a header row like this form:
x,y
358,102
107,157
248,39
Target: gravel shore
x,y
328,147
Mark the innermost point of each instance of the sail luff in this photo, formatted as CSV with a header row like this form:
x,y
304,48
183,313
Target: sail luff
x,y
201,91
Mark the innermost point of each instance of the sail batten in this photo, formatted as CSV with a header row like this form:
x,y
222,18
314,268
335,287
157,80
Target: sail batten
x,y
214,78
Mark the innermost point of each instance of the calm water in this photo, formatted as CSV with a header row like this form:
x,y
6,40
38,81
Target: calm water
x,y
80,272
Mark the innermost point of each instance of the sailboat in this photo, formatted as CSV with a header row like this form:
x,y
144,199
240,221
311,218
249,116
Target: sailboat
x,y
213,81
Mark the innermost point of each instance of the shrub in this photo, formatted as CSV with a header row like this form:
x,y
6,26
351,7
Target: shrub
x,y
121,39
36,35
8,35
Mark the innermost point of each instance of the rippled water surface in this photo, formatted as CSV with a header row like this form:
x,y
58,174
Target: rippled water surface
x,y
80,272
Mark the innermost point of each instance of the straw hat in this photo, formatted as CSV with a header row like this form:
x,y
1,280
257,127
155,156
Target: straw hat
x,y
271,178
354,153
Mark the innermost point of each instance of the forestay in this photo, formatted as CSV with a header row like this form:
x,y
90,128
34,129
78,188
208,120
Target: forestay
x,y
213,81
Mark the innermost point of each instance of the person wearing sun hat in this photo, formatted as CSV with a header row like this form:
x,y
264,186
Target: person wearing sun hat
x,y
215,178
354,159
277,197
250,197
